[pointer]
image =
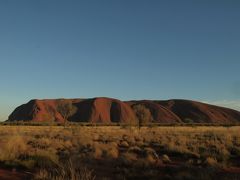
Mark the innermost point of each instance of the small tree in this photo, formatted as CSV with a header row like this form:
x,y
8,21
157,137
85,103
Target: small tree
x,y
50,116
66,109
143,114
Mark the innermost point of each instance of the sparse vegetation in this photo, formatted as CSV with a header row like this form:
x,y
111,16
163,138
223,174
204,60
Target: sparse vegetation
x,y
114,152
66,109
143,114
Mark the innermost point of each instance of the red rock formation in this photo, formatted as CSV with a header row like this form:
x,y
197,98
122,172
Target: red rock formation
x,y
159,113
198,112
106,110
103,110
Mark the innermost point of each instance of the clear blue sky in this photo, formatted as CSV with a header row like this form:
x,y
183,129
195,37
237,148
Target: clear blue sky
x,y
126,49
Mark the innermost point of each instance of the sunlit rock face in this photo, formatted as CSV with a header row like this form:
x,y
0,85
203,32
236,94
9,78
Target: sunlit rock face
x,y
107,110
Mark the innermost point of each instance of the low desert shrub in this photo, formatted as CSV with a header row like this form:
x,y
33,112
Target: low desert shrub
x,y
166,159
68,171
13,149
211,162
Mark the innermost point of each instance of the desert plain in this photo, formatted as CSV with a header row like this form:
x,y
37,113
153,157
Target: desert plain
x,y
119,152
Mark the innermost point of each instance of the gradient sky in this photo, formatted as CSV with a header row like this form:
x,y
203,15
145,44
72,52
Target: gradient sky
x,y
126,49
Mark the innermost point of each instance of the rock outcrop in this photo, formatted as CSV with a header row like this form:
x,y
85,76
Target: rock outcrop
x,y
107,110
96,110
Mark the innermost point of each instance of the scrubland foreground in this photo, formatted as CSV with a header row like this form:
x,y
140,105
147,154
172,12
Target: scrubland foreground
x,y
86,153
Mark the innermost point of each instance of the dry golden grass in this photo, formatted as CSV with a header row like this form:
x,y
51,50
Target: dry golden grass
x,y
43,147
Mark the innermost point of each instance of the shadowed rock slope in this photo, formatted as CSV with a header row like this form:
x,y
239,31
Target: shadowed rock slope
x,y
196,112
107,110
